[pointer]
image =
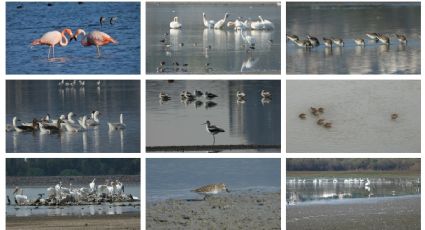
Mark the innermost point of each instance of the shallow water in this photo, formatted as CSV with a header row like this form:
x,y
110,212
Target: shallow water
x,y
360,112
308,189
174,178
34,19
255,121
226,54
349,21
33,99
76,210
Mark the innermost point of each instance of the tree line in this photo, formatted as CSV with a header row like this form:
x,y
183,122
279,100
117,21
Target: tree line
x,y
342,164
71,167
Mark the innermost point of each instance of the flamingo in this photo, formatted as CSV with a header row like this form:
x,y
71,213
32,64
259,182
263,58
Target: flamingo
x,y
96,38
53,38
175,24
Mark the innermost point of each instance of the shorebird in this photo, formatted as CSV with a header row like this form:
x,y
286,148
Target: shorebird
x,y
313,40
373,36
320,121
314,111
240,95
265,94
302,116
211,189
394,116
320,110
212,129
303,43
384,39
209,95
292,37
197,93
327,125
327,42
163,96
338,41
359,41
401,38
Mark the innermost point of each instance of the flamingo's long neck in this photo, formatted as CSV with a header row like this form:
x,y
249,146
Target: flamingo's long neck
x,y
64,40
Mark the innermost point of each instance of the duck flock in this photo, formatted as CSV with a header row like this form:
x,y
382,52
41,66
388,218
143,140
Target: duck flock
x,y
311,42
239,25
111,191
69,123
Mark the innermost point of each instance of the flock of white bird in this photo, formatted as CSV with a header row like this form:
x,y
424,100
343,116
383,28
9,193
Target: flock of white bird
x,y
46,125
110,191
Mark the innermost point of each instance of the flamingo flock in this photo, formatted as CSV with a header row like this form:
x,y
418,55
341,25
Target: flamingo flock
x,y
93,38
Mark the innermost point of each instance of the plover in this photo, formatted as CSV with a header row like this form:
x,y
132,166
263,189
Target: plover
x,y
394,116
303,43
401,38
373,36
320,121
211,189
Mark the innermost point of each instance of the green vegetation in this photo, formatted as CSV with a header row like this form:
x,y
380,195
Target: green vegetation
x,y
71,167
353,164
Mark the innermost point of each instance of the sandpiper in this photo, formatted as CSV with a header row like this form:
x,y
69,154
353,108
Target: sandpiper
x,y
292,37
240,95
359,41
320,121
197,93
314,111
394,116
338,41
212,129
302,116
303,43
211,189
265,94
384,39
327,42
327,125
373,36
321,110
313,40
401,38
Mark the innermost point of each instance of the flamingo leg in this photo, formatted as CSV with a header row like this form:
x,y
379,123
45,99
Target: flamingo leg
x,y
98,51
48,54
53,51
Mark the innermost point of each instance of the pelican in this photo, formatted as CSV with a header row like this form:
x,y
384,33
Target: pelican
x,y
208,23
94,120
93,185
175,24
220,24
266,24
116,126
20,198
249,40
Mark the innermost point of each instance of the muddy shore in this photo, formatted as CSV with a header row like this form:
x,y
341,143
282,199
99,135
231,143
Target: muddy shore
x,y
229,211
124,221
374,213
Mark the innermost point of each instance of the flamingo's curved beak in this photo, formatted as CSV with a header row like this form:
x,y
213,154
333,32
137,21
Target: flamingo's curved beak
x,y
73,38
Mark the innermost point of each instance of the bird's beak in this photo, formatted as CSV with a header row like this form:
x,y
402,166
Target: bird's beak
x,y
73,38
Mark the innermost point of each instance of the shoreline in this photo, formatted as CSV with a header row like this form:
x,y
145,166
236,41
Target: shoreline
x,y
238,211
123,221
402,212
12,181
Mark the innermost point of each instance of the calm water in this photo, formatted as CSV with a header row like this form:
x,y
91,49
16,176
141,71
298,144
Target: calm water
x,y
360,112
29,99
255,121
226,54
350,21
174,178
34,19
76,210
303,189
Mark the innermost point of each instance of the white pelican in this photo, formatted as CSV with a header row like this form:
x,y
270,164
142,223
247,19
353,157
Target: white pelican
x,y
94,120
93,185
116,126
207,23
220,24
20,198
266,24
175,24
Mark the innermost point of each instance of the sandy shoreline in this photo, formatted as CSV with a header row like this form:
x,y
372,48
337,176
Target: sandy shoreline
x,y
124,221
229,211
375,213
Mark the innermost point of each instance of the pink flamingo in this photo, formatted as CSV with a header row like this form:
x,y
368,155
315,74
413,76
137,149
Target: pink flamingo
x,y
96,38
53,38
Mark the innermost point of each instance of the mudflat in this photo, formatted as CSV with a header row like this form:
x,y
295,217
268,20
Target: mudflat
x,y
124,221
230,211
396,213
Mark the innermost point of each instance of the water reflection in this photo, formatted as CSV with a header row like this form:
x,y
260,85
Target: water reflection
x,y
310,189
350,21
253,120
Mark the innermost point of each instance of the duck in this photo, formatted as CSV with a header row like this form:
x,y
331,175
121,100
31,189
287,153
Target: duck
x,y
384,39
373,36
401,38
292,37
117,126
302,116
70,116
175,24
265,94
207,23
359,41
24,128
220,24
197,93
